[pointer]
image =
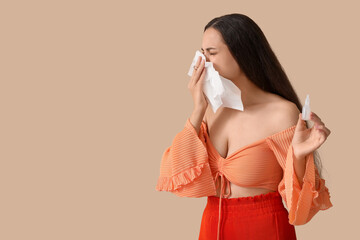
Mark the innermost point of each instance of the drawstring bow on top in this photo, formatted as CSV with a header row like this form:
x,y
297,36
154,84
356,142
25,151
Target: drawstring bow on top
x,y
222,179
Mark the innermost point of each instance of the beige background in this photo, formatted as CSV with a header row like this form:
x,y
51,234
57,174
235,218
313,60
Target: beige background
x,y
92,92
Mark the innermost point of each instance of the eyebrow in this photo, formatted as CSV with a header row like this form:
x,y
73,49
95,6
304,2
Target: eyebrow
x,y
208,48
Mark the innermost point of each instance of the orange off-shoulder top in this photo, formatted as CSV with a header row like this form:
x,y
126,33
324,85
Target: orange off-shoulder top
x,y
191,166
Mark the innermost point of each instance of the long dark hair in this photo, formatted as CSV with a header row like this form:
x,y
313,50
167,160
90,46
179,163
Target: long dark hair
x,y
250,48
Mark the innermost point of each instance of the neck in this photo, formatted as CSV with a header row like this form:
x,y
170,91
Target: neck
x,y
250,93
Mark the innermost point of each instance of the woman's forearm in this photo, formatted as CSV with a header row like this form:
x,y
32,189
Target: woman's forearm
x,y
196,118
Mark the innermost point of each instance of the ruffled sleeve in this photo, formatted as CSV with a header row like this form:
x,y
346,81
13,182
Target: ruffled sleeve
x,y
303,202
184,167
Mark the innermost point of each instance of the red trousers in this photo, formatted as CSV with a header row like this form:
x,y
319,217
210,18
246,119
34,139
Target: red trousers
x,y
247,218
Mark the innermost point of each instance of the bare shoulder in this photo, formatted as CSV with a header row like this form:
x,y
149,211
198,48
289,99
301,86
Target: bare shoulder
x,y
284,114
279,113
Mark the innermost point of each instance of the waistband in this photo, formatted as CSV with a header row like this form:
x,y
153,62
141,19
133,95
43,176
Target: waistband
x,y
268,202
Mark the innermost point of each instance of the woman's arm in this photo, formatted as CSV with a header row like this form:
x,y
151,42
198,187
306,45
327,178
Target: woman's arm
x,y
184,168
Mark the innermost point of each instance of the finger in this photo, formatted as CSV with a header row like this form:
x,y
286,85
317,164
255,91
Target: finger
x,y
198,61
322,138
195,72
300,123
312,114
202,76
199,71
315,118
324,129
321,134
196,65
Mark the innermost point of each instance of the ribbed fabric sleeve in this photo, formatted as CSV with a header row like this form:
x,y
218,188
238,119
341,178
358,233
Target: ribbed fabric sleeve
x,y
184,167
302,202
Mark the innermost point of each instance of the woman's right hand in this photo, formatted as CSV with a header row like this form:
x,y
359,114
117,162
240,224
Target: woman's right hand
x,y
196,85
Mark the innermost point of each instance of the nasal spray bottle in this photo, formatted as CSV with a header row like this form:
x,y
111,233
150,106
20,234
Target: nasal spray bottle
x,y
306,109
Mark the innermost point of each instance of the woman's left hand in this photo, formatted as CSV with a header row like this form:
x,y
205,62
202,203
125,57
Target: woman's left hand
x,y
306,140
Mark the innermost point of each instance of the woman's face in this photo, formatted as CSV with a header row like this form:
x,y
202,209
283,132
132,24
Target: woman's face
x,y
217,52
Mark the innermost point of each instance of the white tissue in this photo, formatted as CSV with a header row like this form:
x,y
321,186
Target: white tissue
x,y
220,92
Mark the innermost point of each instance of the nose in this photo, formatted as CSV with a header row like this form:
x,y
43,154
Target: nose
x,y
206,58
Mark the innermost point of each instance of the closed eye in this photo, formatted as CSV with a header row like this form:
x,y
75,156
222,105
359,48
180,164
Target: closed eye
x,y
210,53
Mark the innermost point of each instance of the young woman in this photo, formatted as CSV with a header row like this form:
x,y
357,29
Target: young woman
x,y
254,158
